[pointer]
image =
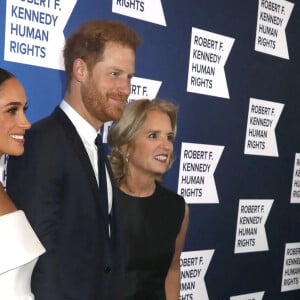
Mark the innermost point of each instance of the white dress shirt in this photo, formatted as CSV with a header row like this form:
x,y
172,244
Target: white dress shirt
x,y
88,136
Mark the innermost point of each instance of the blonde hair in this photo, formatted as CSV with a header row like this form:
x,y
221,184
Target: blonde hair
x,y
126,129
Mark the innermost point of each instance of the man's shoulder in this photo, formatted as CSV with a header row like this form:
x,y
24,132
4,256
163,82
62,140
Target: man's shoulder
x,y
55,123
47,120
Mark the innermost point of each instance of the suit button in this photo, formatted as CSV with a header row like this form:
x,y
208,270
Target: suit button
x,y
107,269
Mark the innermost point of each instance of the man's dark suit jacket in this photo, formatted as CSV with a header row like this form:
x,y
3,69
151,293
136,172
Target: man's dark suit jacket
x,y
54,183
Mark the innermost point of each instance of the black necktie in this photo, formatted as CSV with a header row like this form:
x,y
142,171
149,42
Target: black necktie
x,y
102,181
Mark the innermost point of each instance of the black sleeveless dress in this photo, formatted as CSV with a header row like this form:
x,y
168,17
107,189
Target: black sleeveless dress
x,y
151,225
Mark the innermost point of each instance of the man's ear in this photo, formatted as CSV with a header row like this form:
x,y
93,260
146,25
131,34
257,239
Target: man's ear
x,y
79,69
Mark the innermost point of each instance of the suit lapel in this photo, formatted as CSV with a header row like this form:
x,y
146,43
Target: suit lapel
x,y
73,137
78,146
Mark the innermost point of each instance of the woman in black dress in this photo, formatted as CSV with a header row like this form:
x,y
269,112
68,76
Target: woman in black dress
x,y
155,219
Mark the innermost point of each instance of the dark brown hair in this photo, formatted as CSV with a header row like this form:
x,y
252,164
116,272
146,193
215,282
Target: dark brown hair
x,y
4,75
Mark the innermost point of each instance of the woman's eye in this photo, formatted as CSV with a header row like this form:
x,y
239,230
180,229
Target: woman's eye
x,y
152,135
12,110
171,138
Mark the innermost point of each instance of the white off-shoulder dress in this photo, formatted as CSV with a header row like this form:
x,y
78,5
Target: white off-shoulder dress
x,y
19,252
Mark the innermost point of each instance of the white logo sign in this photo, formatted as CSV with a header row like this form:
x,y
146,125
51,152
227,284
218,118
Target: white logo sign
x,y
291,268
193,267
34,32
252,296
196,175
142,88
145,10
272,18
262,120
295,193
3,171
208,55
250,229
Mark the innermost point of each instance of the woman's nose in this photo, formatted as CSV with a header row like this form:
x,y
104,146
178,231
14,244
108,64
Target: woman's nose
x,y
24,123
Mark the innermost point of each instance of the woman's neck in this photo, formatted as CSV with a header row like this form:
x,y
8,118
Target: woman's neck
x,y
137,187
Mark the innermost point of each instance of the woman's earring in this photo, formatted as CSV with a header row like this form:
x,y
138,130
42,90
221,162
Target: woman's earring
x,y
126,158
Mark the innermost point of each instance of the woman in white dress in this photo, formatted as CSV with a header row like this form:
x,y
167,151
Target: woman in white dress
x,y
19,246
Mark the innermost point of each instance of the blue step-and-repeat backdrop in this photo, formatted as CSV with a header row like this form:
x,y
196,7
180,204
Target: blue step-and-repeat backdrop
x,y
233,68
